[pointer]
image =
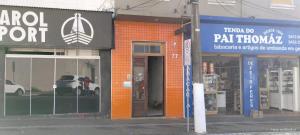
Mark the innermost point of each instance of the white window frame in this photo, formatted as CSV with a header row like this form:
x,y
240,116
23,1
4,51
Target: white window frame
x,y
283,6
222,2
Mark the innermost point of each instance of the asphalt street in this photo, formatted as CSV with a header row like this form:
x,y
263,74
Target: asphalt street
x,y
93,125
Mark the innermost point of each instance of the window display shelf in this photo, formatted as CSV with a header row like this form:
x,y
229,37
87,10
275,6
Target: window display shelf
x,y
287,92
288,89
211,103
237,103
264,99
210,82
274,91
211,87
222,74
288,82
283,94
274,87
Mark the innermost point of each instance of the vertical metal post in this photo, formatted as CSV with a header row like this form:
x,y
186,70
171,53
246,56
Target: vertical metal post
x,y
14,69
30,87
198,87
4,95
77,90
196,53
54,83
77,55
100,87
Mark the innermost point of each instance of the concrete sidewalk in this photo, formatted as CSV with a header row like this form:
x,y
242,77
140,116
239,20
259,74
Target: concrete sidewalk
x,y
90,125
240,124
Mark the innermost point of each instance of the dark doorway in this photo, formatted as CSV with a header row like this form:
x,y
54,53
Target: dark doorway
x,y
148,86
155,86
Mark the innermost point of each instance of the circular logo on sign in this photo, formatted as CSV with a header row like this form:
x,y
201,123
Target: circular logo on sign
x,y
77,29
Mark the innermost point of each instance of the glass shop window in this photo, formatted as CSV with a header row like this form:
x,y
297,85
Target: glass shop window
x,y
151,48
283,4
222,2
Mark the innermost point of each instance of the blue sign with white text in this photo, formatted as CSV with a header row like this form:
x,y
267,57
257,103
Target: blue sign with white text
x,y
188,86
250,85
250,38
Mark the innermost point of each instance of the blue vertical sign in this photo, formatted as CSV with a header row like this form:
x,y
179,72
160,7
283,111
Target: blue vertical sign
x,y
250,85
188,86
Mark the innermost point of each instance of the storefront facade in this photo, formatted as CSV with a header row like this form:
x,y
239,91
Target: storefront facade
x,y
249,65
146,70
54,61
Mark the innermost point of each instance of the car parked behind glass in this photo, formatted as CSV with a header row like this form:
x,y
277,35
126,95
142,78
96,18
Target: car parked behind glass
x,y
12,88
70,84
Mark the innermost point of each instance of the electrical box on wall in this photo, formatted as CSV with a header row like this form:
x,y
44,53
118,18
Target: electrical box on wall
x,y
127,84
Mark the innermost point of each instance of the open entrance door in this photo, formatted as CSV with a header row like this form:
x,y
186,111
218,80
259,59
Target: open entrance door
x,y
148,86
139,95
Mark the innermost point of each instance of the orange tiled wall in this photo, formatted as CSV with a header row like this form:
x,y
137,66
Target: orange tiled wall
x,y
125,33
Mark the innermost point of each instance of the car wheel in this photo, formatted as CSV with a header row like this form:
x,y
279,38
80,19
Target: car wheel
x,y
79,91
19,92
97,91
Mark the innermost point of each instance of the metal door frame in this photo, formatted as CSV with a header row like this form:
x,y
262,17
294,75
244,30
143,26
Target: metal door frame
x,y
145,61
146,85
162,54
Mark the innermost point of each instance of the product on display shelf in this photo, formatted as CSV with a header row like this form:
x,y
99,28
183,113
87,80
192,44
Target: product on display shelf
x,y
264,98
282,86
289,97
211,87
204,65
221,76
274,77
287,82
210,102
211,68
210,82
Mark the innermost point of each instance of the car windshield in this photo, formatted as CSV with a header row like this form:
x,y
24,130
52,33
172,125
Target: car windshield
x,y
67,77
9,82
80,79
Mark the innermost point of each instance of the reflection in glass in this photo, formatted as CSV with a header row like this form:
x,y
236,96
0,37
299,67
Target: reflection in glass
x,y
30,83
154,49
275,77
42,86
139,84
210,102
67,83
273,64
88,71
17,86
146,48
139,49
